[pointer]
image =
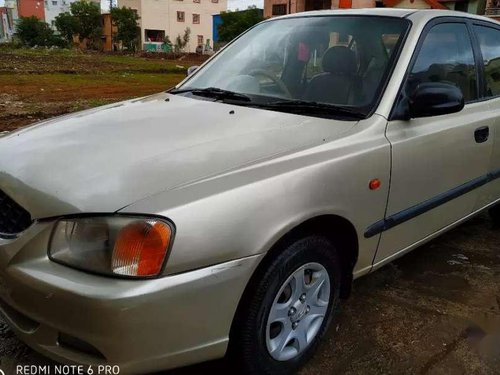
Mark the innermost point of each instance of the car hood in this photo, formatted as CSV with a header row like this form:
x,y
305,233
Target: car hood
x,y
103,159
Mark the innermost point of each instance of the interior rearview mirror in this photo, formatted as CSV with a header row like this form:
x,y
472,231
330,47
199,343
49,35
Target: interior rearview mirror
x,y
192,69
434,99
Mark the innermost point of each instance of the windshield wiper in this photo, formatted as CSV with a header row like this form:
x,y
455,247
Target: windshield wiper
x,y
214,92
302,106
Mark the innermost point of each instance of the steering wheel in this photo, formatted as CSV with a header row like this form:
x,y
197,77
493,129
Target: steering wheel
x,y
279,82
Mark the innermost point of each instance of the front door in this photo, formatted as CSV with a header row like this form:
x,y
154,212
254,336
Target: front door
x,y
488,37
436,161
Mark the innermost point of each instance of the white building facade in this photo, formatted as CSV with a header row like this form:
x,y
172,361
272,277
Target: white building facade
x,y
160,18
55,7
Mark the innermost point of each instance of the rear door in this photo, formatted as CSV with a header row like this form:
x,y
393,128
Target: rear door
x,y
436,161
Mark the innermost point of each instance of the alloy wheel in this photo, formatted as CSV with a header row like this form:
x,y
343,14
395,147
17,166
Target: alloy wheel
x,y
298,311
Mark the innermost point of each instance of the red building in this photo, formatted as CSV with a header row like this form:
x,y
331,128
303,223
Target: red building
x,y
28,8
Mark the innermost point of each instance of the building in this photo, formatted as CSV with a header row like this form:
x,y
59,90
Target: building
x,y
6,25
29,8
8,17
274,8
108,30
161,18
472,6
55,7
45,10
493,9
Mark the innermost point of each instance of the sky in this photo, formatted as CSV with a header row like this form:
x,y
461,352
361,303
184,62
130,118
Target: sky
x,y
231,4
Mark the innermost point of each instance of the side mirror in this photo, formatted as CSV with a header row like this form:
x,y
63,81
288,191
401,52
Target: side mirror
x,y
192,69
434,99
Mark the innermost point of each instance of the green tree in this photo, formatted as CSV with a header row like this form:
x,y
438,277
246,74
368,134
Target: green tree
x,y
235,23
88,16
182,41
167,43
67,25
125,20
33,32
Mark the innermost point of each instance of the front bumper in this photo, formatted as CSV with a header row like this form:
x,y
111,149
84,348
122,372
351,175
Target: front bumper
x,y
140,325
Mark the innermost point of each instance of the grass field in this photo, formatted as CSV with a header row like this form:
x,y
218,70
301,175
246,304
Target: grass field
x,y
38,84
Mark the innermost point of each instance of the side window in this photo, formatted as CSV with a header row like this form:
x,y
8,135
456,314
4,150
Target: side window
x,y
489,42
446,56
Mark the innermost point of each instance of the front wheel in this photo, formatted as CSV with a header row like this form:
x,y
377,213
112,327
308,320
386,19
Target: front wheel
x,y
287,308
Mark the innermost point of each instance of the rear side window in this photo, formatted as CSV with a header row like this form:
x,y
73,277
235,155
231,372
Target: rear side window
x,y
446,56
489,42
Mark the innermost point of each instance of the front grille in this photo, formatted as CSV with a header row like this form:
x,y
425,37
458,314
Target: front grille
x,y
13,218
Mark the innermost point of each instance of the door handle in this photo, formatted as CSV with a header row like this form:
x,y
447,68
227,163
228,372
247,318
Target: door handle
x,y
481,134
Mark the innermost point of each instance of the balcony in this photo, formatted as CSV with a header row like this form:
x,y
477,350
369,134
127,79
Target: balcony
x,y
492,8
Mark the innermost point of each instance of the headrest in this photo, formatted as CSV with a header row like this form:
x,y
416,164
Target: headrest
x,y
339,60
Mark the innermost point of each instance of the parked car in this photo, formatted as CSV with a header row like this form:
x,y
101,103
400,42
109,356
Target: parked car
x,y
231,214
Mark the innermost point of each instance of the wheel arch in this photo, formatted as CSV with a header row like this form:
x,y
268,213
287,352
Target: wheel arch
x,y
339,230
335,228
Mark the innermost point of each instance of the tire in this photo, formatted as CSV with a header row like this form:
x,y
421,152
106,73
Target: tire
x,y
256,344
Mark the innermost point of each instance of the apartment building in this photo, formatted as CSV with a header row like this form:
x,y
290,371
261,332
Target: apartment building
x,y
159,18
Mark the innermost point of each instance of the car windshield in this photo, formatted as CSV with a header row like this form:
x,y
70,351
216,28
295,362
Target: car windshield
x,y
306,62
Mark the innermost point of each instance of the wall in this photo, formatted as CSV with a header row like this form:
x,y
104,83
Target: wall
x,y
28,8
52,11
413,4
162,15
363,3
476,7
493,9
206,9
107,32
268,6
8,17
299,5
12,5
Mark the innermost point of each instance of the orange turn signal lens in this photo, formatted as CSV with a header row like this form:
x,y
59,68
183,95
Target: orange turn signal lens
x,y
374,184
141,248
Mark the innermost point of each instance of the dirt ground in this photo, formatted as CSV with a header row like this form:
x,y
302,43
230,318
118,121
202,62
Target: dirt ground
x,y
38,84
434,311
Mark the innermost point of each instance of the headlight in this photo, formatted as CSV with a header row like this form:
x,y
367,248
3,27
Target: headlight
x,y
115,245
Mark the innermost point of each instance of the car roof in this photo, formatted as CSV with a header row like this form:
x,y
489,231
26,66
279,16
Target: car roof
x,y
413,14
391,12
